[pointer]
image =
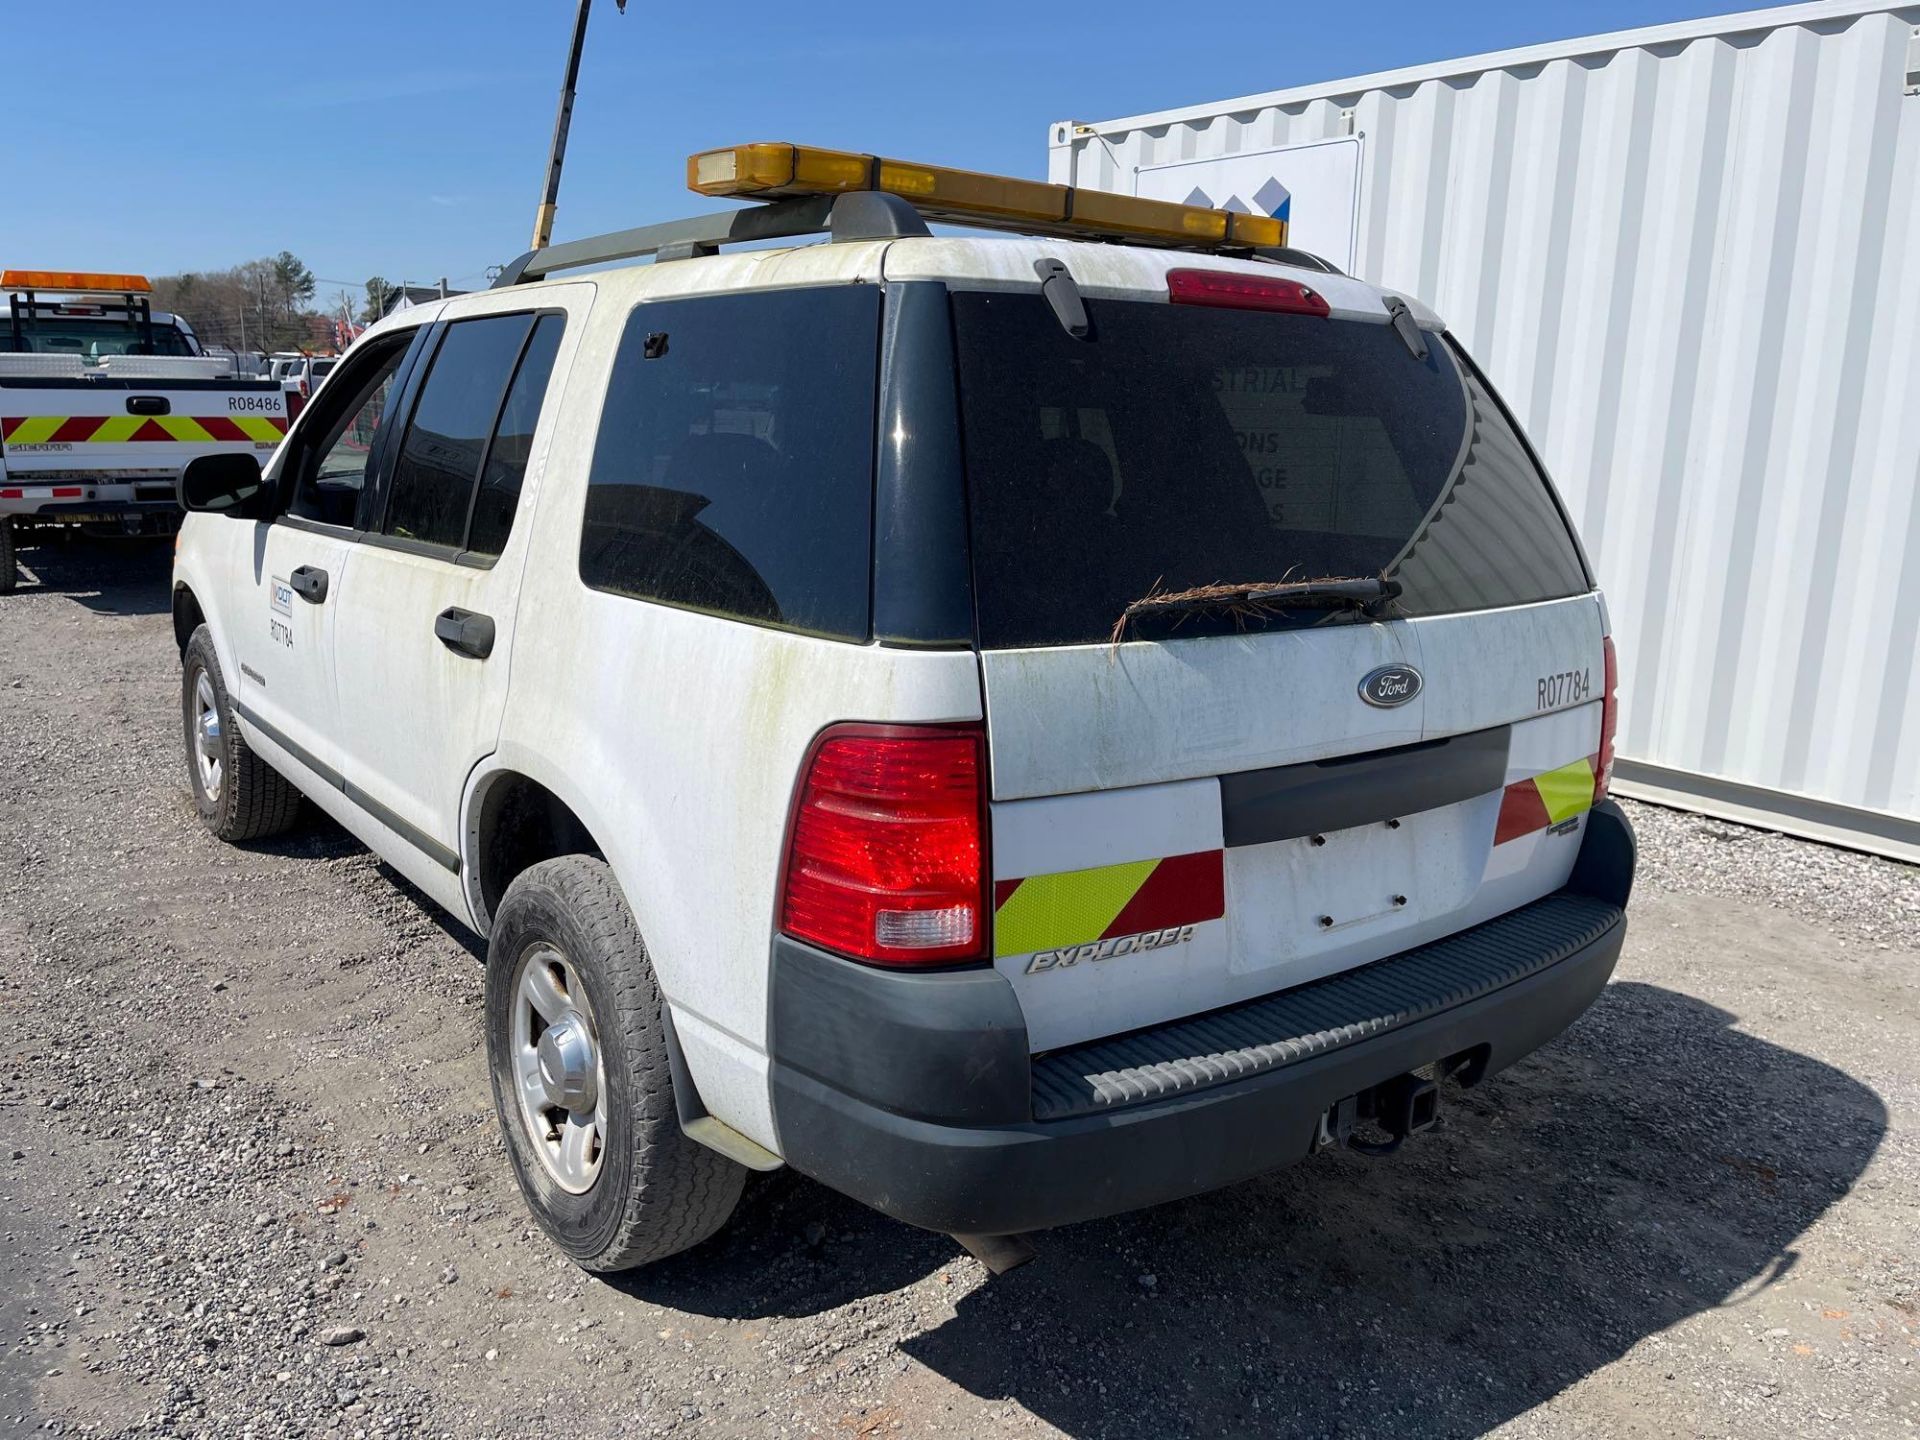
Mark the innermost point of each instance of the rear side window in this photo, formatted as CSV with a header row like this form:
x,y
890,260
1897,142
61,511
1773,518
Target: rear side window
x,y
733,472
456,482
1185,447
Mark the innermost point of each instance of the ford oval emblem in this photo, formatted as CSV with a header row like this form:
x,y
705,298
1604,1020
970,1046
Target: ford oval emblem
x,y
1390,685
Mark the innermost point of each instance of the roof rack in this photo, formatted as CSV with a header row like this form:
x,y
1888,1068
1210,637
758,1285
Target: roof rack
x,y
858,215
851,196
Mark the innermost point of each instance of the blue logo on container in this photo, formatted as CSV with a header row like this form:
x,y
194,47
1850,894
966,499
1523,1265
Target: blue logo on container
x,y
1272,198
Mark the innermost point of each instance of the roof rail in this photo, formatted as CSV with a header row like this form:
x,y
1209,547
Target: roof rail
x,y
856,215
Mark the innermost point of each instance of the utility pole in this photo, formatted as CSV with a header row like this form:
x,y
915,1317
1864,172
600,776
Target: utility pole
x,y
556,157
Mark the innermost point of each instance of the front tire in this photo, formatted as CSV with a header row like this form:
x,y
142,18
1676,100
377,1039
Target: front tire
x,y
9,568
577,1049
239,796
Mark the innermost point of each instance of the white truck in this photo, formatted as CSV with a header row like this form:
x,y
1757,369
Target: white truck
x,y
102,404
1017,728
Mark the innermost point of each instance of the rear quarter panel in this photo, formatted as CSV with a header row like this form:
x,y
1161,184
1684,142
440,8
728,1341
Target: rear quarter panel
x,y
678,737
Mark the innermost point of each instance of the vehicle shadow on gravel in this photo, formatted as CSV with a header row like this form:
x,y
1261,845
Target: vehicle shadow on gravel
x,y
110,577
1653,1163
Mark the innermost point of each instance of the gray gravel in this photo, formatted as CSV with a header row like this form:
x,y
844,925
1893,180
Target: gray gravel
x,y
246,1095
1863,897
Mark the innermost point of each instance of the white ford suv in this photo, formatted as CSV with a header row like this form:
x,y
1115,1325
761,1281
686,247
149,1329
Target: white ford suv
x,y
1016,728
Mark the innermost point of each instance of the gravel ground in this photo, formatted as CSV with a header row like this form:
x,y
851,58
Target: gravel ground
x,y
255,1190
1862,896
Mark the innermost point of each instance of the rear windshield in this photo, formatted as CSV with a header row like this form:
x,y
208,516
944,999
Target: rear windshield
x,y
1183,447
88,339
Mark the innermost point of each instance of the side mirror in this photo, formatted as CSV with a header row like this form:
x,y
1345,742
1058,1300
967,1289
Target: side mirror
x,y
224,485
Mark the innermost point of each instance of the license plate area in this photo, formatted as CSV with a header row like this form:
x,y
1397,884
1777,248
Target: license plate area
x,y
1307,906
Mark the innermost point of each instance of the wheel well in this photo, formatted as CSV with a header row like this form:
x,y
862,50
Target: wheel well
x,y
187,616
521,823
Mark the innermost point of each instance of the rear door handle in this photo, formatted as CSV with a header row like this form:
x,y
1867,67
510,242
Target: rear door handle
x,y
464,632
311,583
149,405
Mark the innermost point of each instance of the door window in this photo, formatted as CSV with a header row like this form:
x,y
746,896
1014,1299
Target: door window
x,y
734,468
512,447
329,483
476,415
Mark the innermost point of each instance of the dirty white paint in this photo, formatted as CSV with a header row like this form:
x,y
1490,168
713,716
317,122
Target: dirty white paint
x,y
107,467
1117,733
677,738
1690,259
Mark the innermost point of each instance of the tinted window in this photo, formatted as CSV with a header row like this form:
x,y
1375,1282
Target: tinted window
x,y
334,471
90,339
734,470
1187,447
506,464
440,454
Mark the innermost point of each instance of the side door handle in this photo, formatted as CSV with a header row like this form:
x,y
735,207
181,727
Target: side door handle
x,y
311,582
464,632
149,405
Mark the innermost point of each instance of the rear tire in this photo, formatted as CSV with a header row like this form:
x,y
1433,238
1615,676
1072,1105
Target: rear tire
x,y
577,1050
9,570
239,796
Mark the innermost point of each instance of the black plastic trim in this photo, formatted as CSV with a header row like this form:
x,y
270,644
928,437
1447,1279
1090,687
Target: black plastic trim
x,y
440,855
912,1093
1187,1056
1608,856
949,1046
922,570
1258,807
1000,1180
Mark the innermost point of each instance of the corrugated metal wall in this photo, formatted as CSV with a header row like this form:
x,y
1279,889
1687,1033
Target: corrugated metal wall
x,y
1691,261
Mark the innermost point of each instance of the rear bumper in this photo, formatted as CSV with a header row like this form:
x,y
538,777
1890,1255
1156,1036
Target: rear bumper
x,y
915,1094
136,516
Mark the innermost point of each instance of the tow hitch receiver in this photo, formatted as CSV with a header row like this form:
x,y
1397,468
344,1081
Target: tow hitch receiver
x,y
1402,1106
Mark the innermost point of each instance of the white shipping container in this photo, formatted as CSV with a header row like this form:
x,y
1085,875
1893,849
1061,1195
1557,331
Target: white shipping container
x,y
1690,258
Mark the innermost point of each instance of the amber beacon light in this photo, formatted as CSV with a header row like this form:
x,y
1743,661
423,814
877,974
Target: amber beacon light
x,y
967,197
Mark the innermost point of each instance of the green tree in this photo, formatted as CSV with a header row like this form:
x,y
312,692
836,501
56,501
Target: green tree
x,y
294,281
376,306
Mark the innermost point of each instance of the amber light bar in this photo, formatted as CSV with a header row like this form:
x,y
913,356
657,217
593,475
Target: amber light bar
x,y
967,197
83,280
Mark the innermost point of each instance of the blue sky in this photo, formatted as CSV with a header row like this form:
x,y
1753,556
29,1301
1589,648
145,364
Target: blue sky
x,y
407,139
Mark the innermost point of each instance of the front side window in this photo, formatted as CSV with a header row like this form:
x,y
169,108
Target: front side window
x,y
512,447
328,485
441,452
456,481
733,472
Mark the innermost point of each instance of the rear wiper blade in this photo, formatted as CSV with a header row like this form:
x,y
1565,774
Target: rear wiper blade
x,y
1366,593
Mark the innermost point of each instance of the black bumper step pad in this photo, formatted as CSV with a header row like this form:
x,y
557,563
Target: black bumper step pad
x,y
1320,1016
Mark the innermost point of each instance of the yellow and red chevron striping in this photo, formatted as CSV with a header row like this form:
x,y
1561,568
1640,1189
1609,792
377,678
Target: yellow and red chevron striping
x,y
1546,799
140,429
1077,907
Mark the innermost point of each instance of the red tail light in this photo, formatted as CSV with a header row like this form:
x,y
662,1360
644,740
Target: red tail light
x,y
886,857
1245,292
1609,717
